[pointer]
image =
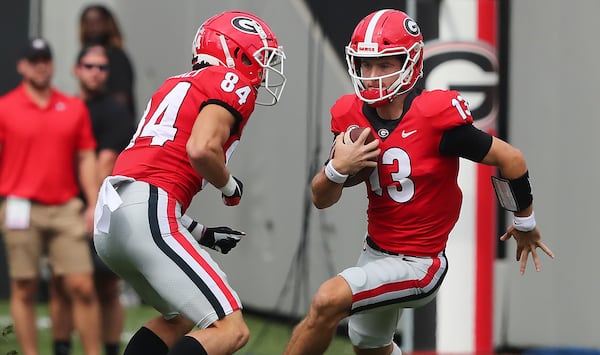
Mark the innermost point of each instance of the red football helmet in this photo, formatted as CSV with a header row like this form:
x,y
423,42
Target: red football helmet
x,y
243,41
380,34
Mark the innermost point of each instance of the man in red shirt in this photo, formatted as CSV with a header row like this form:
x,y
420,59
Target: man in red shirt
x,y
46,153
414,197
188,132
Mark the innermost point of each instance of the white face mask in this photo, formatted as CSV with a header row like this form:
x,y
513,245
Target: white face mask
x,y
406,75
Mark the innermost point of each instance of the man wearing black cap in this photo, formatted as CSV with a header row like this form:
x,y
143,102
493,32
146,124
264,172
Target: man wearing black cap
x,y
46,158
113,126
37,49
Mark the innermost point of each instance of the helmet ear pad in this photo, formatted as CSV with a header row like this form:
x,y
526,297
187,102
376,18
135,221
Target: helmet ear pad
x,y
244,58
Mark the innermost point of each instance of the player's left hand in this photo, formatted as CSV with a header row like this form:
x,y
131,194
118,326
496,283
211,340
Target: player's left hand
x,y
221,239
527,242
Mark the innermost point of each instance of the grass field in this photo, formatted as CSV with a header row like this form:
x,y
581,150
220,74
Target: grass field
x,y
268,337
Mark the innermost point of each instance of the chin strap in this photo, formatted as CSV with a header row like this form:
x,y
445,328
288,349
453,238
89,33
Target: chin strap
x,y
230,63
373,95
378,103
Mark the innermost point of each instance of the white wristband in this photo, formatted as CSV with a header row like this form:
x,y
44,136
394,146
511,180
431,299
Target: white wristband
x,y
524,224
229,187
334,175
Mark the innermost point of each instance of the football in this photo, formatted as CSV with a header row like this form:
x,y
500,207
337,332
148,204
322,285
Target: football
x,y
351,136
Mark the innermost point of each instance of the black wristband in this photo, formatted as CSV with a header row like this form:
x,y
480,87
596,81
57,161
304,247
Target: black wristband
x,y
192,226
514,195
522,190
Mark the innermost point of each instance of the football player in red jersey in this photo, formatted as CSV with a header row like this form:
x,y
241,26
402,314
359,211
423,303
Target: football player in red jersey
x,y
189,130
414,198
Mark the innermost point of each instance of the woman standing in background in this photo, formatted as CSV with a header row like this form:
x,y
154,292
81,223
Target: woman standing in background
x,y
98,25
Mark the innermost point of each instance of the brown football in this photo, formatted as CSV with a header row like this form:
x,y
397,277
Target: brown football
x,y
351,136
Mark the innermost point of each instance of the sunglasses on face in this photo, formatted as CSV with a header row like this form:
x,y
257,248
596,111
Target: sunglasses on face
x,y
101,67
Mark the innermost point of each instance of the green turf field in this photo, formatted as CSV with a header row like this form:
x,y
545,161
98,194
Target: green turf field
x,y
268,338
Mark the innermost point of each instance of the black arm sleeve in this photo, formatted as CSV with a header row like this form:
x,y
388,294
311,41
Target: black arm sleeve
x,y
466,141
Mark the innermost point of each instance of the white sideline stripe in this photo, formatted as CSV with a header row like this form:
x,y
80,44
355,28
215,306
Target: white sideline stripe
x,y
5,320
44,323
41,322
126,336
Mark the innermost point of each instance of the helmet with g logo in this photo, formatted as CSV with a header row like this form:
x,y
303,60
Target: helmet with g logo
x,y
380,34
243,41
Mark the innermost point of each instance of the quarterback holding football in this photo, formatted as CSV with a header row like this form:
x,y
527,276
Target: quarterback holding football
x,y
413,196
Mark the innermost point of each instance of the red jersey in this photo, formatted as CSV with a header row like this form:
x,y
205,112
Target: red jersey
x,y
414,197
39,146
157,152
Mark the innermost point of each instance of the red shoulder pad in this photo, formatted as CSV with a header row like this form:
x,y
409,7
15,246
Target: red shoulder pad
x,y
227,85
445,108
346,111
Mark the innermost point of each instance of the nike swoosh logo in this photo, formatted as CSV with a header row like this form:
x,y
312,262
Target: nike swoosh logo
x,y
409,133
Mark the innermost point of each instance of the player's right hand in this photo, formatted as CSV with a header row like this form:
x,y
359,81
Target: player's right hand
x,y
236,196
221,239
352,157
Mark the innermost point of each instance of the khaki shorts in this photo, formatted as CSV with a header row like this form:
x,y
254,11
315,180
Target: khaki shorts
x,y
57,231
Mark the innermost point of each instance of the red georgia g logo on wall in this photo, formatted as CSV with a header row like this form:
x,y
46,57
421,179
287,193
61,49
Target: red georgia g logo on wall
x,y
470,68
